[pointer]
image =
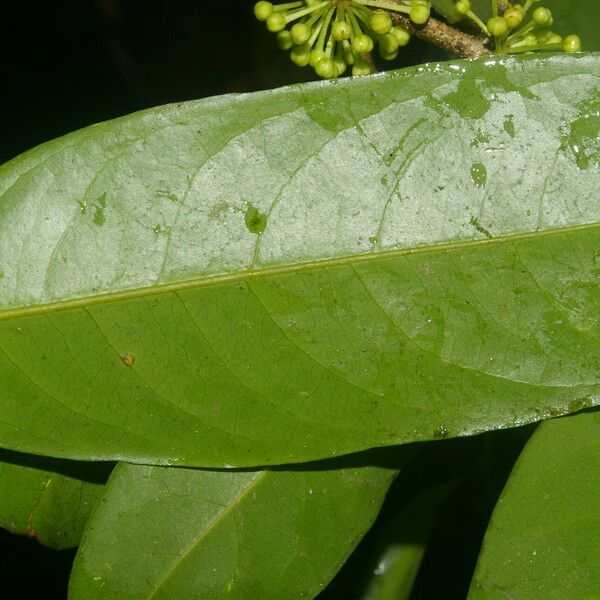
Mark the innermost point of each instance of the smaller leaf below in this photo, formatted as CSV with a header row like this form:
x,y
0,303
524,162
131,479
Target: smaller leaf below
x,y
543,541
169,533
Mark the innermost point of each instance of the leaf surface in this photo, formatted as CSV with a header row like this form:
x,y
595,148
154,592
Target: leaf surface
x,y
543,541
47,499
166,533
283,276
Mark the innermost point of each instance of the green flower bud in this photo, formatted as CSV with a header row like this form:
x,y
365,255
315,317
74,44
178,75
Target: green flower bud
x,y
263,10
341,30
300,55
300,33
463,7
402,35
276,22
348,54
542,16
513,17
326,68
543,36
381,22
284,39
362,44
531,40
340,65
361,67
388,44
419,14
315,57
497,26
391,56
572,43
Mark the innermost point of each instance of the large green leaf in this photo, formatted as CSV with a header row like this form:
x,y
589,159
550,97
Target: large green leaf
x,y
48,499
165,533
308,271
543,541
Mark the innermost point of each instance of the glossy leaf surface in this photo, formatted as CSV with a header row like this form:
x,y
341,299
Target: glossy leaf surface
x,y
543,541
292,274
47,499
166,533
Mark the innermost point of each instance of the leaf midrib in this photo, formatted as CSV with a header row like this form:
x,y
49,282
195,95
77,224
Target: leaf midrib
x,y
248,274
216,522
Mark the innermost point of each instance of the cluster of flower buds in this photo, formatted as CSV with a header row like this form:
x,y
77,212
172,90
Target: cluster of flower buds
x,y
333,35
515,31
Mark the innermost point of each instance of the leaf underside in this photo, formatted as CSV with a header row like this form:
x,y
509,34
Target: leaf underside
x,y
298,273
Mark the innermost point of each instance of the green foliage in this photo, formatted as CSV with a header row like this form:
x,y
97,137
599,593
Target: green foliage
x,y
544,537
256,534
341,230
47,499
298,274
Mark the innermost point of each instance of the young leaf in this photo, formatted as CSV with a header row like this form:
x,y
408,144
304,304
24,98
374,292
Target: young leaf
x,y
292,274
47,499
544,537
162,533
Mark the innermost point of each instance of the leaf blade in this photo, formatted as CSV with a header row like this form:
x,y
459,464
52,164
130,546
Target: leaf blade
x,y
48,500
329,329
543,536
182,533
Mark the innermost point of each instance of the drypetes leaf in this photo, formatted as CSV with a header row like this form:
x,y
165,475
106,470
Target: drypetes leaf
x,y
543,541
48,499
314,270
162,533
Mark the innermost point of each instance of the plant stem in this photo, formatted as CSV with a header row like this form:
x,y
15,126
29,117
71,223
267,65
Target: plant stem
x,y
439,34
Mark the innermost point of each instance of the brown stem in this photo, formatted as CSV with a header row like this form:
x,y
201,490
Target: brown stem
x,y
438,33
368,57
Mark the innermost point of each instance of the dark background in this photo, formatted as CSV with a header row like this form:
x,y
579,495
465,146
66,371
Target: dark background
x,y
69,64
72,63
